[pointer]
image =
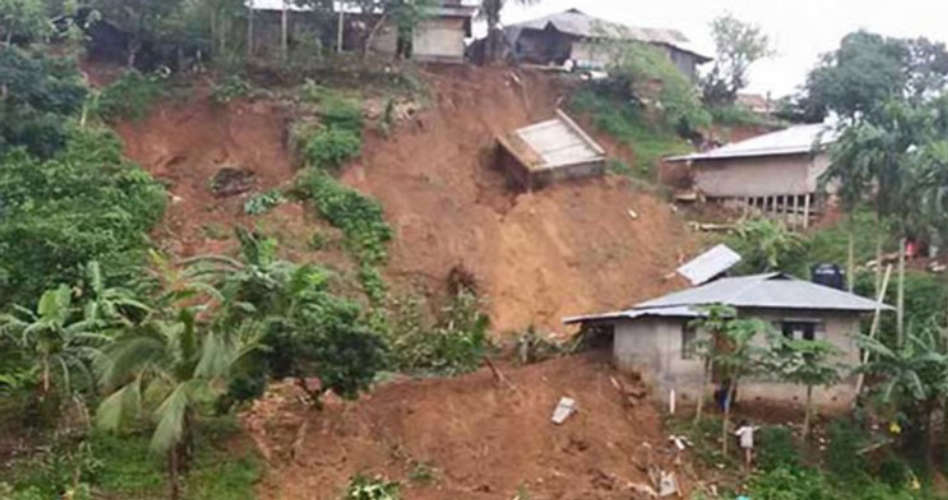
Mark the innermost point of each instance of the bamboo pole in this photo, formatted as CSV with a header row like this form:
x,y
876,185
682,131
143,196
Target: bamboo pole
x,y
900,293
806,210
340,30
873,328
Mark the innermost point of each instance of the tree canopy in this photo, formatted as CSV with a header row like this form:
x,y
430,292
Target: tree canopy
x,y
868,70
738,45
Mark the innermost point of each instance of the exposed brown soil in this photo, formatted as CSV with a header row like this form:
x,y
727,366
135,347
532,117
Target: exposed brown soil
x,y
479,438
567,249
571,248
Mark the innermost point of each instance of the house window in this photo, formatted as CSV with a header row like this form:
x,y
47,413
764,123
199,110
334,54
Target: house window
x,y
800,330
688,334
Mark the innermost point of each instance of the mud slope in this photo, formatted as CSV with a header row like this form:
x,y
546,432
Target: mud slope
x,y
478,439
568,249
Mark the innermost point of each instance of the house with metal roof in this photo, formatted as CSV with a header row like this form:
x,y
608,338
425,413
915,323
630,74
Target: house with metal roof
x,y
776,173
438,37
654,338
575,37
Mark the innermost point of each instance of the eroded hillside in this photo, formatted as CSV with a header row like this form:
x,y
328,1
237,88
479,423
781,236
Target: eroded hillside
x,y
571,248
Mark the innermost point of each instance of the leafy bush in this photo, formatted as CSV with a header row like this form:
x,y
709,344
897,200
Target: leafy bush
x,y
893,471
131,96
359,217
532,347
641,68
232,87
377,488
86,203
777,449
842,458
456,343
624,120
40,93
737,114
263,202
768,245
341,113
329,147
785,483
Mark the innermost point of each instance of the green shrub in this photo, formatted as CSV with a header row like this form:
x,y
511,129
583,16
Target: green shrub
x,y
624,120
737,114
777,449
893,471
131,96
842,459
376,488
784,483
232,87
341,113
86,203
768,245
456,343
263,202
358,216
329,147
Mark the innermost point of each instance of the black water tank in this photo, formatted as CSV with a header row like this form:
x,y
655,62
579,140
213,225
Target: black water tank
x,y
829,275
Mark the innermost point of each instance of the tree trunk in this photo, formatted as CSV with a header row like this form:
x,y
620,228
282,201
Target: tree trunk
x,y
250,30
878,257
930,436
284,33
808,412
173,481
493,35
45,376
900,300
371,37
727,416
704,385
851,261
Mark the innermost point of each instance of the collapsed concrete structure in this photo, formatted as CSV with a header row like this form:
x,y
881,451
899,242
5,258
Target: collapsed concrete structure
x,y
550,151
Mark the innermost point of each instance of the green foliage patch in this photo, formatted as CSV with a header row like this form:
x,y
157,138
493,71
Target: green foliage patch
x,y
455,343
777,449
362,487
86,203
262,203
131,96
358,216
624,120
328,147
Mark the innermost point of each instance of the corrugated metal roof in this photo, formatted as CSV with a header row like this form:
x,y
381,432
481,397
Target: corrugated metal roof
x,y
761,291
792,140
709,264
555,143
772,290
664,312
578,23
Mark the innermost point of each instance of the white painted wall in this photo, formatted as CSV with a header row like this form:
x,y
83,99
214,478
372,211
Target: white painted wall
x,y
760,176
440,39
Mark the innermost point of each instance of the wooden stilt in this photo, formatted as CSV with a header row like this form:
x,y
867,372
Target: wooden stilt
x,y
795,218
806,210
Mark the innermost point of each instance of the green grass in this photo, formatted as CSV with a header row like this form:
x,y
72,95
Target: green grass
x,y
122,466
622,120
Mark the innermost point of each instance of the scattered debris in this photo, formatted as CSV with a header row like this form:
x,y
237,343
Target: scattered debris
x,y
565,408
631,394
681,442
686,196
667,485
643,489
709,264
230,181
937,267
710,227
633,214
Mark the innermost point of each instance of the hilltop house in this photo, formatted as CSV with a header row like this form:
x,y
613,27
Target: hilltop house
x,y
777,173
654,337
575,37
438,37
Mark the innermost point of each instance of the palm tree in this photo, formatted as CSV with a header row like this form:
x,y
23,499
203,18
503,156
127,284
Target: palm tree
x,y
915,374
181,360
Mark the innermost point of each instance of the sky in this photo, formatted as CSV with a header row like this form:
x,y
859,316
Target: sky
x,y
800,30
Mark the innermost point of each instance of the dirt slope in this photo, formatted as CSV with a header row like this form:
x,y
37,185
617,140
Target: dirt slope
x,y
569,249
480,438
